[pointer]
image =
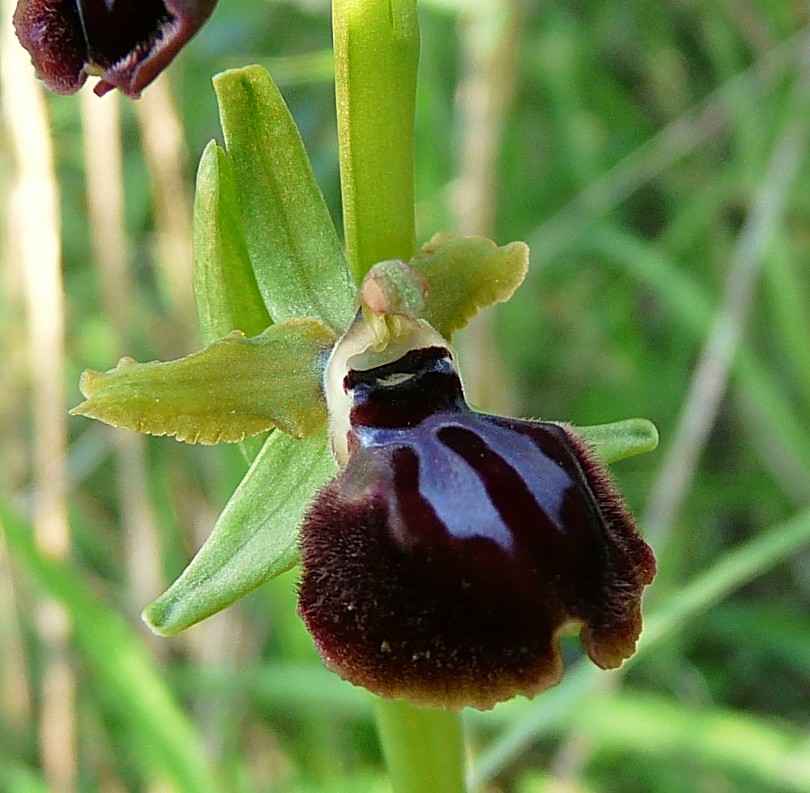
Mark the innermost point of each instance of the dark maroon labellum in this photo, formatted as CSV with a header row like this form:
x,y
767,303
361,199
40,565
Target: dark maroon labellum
x,y
128,41
444,561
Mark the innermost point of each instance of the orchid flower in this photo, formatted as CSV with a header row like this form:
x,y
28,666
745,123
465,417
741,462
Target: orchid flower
x,y
444,551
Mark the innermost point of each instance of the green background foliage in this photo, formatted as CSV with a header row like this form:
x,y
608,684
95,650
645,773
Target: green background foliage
x,y
634,141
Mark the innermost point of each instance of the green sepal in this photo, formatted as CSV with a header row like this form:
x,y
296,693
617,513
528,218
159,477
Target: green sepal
x,y
227,295
619,439
234,388
466,274
256,536
297,259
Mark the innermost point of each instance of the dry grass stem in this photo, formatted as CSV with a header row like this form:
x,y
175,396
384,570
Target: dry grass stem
x,y
166,161
105,200
35,204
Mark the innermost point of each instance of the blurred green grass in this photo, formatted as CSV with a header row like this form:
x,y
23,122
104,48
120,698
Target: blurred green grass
x,y
636,142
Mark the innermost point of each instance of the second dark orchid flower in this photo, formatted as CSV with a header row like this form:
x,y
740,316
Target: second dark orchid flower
x,y
127,42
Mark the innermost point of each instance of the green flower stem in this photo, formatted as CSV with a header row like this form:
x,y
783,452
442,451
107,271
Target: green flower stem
x,y
423,747
376,58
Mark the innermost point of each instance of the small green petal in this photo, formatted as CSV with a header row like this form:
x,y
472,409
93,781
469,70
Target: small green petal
x,y
233,388
466,274
255,538
227,295
296,255
620,439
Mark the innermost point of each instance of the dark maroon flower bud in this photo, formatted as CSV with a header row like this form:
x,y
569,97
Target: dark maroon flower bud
x,y
127,42
445,560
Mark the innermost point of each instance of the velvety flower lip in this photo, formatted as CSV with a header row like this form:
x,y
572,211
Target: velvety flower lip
x,y
127,42
445,560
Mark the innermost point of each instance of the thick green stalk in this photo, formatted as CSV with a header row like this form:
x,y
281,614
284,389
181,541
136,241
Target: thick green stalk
x,y
376,58
423,747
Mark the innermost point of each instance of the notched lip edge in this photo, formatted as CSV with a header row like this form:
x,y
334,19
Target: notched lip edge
x,y
469,696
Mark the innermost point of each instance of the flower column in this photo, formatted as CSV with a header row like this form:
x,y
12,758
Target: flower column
x,y
376,57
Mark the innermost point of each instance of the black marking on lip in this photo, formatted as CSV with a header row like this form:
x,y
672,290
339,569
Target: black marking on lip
x,y
414,362
432,386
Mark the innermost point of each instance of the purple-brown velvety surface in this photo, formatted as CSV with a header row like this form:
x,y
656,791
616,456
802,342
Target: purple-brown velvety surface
x,y
442,563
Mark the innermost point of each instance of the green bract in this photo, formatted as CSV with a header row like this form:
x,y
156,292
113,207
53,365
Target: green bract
x,y
266,251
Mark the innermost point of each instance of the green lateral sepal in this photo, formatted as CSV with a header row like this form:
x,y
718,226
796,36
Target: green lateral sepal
x,y
255,538
620,439
235,387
